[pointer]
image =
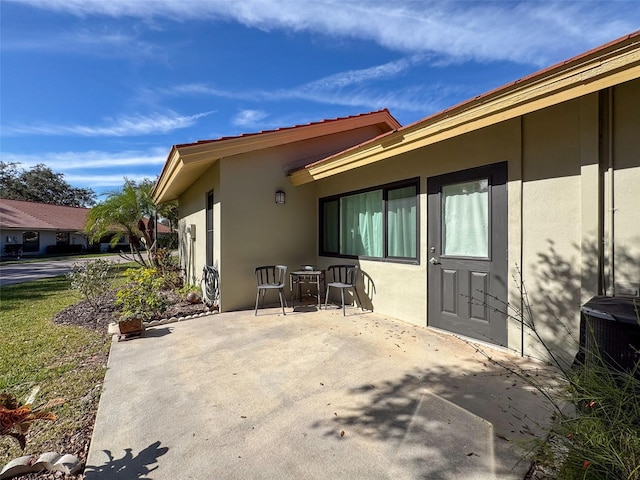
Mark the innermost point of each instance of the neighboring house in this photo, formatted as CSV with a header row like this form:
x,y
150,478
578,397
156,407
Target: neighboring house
x,y
30,228
536,182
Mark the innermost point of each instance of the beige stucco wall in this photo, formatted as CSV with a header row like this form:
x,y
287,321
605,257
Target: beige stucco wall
x,y
626,186
562,210
551,221
192,211
555,212
401,289
250,229
255,230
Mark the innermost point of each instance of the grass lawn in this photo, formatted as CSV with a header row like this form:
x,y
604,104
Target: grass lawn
x,y
46,258
64,361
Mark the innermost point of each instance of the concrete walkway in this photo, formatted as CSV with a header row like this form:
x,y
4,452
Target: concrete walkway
x,y
309,395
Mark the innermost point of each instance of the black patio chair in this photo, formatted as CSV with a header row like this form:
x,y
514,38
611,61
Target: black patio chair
x,y
344,277
271,277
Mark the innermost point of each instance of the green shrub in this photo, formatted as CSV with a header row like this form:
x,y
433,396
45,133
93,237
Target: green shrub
x,y
168,268
141,297
92,279
188,288
172,280
168,240
599,437
595,434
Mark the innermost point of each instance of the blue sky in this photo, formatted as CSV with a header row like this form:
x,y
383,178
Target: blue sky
x,y
101,89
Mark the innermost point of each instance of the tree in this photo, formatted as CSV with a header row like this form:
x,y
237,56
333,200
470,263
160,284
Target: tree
x,y
40,184
131,212
168,213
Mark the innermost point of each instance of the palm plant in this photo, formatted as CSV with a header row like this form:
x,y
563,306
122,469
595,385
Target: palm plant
x,y
122,214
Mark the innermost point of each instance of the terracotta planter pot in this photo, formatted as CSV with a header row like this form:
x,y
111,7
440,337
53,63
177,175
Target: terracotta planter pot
x,y
133,325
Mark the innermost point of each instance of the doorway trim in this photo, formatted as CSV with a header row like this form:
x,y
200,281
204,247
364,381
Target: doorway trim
x,y
463,287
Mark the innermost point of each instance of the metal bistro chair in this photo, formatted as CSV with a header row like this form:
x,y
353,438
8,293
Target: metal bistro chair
x,y
344,277
271,277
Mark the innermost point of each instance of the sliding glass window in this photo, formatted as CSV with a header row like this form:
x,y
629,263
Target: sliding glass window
x,y
376,223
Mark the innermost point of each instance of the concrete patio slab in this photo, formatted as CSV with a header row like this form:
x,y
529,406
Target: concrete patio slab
x,y
309,395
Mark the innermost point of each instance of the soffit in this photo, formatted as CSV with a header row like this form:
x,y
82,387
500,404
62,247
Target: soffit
x,y
186,163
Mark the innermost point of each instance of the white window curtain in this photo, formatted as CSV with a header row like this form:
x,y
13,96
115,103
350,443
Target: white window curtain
x,y
361,224
401,222
465,219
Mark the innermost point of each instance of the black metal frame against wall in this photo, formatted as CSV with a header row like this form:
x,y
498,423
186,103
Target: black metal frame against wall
x,y
415,181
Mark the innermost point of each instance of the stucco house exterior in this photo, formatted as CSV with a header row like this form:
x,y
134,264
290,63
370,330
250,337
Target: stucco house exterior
x,y
227,188
534,183
29,228
33,229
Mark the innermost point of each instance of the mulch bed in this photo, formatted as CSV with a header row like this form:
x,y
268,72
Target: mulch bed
x,y
84,315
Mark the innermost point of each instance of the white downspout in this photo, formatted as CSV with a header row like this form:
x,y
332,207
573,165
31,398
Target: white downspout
x,y
521,226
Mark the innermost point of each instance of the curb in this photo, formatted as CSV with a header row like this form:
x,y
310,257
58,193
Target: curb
x,y
113,327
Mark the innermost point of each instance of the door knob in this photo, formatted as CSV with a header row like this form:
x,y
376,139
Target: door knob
x,y
433,261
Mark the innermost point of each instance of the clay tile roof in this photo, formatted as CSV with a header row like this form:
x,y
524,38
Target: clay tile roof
x,y
41,216
282,129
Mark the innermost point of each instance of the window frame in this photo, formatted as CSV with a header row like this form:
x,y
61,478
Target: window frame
x,y
32,246
209,227
411,182
63,238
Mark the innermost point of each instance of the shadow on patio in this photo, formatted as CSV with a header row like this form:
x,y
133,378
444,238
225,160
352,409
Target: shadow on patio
x,y
447,422
315,395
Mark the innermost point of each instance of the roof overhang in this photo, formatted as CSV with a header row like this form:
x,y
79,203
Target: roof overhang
x,y
186,163
606,66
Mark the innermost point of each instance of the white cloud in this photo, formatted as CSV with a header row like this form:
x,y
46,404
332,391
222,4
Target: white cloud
x,y
349,88
99,170
104,44
354,88
206,89
124,126
247,118
101,181
93,159
532,32
409,100
377,72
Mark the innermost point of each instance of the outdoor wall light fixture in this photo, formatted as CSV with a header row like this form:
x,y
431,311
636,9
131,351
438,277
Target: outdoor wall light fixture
x,y
280,197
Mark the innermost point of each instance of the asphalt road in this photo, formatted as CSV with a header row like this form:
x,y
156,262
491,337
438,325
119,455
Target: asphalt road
x,y
28,271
